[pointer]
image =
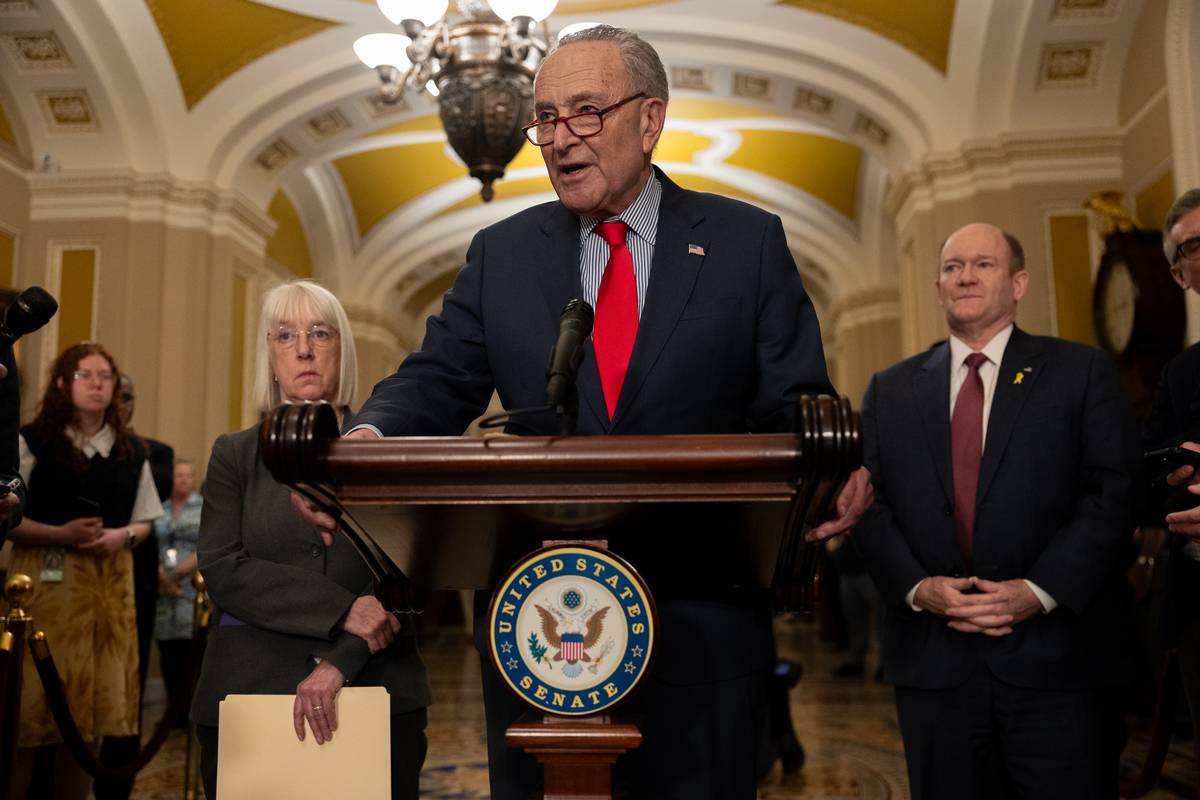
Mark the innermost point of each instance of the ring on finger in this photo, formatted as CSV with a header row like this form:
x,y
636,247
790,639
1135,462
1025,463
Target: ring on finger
x,y
318,708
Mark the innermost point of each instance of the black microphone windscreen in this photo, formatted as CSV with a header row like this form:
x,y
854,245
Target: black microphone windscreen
x,y
32,309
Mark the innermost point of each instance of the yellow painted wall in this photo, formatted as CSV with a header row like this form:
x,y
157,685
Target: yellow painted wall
x,y
289,245
1155,201
6,131
8,263
237,352
823,167
76,293
1071,259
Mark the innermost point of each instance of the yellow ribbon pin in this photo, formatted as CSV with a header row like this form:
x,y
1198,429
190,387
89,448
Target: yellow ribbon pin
x,y
1020,376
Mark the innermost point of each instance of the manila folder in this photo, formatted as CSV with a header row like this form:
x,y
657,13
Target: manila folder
x,y
259,756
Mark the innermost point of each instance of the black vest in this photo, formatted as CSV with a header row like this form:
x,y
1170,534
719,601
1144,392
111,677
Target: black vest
x,y
55,488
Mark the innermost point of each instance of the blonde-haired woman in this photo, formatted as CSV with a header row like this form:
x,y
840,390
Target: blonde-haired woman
x,y
297,615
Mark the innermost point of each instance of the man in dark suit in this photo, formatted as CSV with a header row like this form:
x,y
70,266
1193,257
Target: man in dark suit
x,y
121,750
1175,420
13,497
702,326
1003,465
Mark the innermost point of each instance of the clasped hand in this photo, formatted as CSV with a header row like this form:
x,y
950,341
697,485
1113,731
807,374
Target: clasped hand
x,y
370,621
87,535
975,605
1187,522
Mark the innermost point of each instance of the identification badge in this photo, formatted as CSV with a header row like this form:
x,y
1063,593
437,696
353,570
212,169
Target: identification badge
x,y
170,558
52,566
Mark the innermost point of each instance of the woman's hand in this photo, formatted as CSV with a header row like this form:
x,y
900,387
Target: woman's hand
x,y
169,584
368,619
79,532
109,541
316,698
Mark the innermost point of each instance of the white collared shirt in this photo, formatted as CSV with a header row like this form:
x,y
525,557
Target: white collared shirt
x,y
146,506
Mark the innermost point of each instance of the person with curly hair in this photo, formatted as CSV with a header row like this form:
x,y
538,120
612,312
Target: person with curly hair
x,y
91,500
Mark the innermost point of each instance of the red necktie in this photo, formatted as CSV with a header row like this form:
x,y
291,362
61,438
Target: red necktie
x,y
966,450
616,322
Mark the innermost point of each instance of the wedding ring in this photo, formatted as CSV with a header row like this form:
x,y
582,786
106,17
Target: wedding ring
x,y
318,708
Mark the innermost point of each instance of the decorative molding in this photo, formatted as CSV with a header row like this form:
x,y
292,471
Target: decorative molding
x,y
1070,65
272,157
376,107
371,323
18,8
37,52
864,307
812,101
67,111
326,125
869,127
1000,164
1071,10
692,79
139,197
751,87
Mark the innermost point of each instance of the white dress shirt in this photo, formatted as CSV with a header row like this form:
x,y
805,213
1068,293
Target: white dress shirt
x,y
988,370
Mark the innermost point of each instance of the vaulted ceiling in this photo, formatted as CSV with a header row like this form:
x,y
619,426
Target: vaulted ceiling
x,y
809,108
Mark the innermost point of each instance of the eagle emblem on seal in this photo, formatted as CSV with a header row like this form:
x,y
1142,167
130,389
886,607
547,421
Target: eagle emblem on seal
x,y
571,643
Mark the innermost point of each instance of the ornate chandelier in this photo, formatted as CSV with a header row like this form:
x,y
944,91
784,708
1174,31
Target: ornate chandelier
x,y
480,68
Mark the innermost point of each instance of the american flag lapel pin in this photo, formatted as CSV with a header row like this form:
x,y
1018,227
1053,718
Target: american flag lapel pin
x,y
695,250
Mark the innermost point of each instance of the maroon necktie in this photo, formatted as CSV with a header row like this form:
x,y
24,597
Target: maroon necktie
x,y
966,449
616,322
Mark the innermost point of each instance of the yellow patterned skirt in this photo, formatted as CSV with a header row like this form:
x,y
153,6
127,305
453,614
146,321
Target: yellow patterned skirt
x,y
91,626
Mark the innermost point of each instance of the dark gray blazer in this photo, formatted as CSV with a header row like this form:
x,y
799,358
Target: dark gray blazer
x,y
280,593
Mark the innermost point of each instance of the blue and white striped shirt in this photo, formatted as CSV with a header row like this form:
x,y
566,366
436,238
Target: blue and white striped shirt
x,y
642,219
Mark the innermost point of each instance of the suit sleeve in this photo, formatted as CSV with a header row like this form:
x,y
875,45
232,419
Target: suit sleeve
x,y
890,561
788,351
1079,556
10,425
258,591
438,390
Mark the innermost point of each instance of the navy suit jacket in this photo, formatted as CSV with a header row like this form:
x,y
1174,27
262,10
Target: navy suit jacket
x,y
727,341
1053,506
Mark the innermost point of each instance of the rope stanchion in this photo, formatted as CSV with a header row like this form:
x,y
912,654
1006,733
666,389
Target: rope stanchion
x,y
201,615
18,590
56,699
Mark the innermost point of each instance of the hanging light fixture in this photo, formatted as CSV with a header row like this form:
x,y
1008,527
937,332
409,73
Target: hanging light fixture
x,y
480,68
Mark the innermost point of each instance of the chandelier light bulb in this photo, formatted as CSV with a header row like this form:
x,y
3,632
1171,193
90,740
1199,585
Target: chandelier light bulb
x,y
427,11
576,27
377,49
537,10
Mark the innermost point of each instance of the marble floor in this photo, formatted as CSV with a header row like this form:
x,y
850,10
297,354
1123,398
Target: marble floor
x,y
848,728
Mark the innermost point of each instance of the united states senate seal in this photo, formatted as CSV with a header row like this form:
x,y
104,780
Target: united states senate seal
x,y
572,629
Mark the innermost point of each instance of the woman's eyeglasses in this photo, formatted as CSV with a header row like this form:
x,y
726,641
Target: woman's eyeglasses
x,y
319,336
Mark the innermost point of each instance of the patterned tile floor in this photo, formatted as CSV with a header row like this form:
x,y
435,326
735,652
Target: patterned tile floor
x,y
848,729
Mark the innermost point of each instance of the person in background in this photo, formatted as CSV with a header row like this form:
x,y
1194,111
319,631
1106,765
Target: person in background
x,y
1005,468
12,488
298,616
118,750
91,501
177,532
1175,420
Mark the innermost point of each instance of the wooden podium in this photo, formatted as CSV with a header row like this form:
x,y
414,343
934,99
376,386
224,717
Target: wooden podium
x,y
457,513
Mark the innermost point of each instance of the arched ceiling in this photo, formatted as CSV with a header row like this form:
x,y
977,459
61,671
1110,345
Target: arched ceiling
x,y
805,107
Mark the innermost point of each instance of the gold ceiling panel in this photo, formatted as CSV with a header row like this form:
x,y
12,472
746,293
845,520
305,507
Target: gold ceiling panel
x,y
289,246
688,108
212,40
379,181
818,165
923,27
6,131
430,122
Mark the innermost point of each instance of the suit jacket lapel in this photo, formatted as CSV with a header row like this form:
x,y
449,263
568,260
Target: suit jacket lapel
x,y
672,275
932,389
1023,352
558,276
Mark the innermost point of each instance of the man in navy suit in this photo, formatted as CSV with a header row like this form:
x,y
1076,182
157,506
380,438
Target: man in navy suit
x,y
1003,466
702,326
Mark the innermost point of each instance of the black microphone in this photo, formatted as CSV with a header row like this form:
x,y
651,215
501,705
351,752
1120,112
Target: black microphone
x,y
574,327
32,309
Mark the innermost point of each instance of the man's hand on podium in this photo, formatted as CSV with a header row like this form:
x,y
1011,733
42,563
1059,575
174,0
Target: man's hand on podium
x,y
856,497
